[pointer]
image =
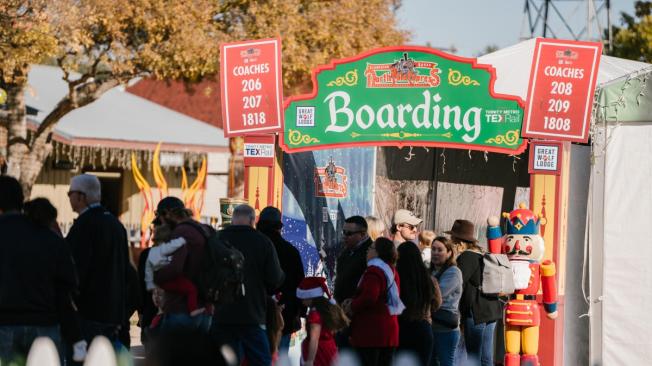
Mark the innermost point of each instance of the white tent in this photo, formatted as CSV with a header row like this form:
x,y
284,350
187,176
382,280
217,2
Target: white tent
x,y
118,123
609,212
120,118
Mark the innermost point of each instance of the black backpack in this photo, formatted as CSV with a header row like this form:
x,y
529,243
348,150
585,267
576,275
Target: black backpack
x,y
222,275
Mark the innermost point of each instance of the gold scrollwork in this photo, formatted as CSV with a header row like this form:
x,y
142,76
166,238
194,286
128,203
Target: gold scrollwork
x,y
456,78
402,134
510,138
297,138
349,79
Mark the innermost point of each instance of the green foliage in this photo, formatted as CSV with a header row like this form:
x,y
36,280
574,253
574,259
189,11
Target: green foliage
x,y
179,39
634,40
313,32
101,43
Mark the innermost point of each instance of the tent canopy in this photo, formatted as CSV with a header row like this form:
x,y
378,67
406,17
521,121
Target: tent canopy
x,y
119,118
513,66
628,99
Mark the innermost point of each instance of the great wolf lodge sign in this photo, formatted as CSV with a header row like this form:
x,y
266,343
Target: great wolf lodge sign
x,y
404,96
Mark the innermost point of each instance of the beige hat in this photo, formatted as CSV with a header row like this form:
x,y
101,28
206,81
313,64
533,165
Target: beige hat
x,y
405,217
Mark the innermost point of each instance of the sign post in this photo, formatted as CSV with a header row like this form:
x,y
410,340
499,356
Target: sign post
x,y
252,88
560,94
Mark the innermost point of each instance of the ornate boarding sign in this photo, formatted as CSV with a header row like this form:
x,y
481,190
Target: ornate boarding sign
x,y
404,96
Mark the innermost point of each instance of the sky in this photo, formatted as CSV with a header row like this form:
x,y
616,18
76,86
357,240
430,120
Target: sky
x,y
471,25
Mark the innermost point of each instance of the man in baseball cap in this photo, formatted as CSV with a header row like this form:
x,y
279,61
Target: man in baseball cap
x,y
404,226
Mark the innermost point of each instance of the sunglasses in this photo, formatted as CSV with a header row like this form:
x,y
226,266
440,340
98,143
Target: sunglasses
x,y
349,233
409,226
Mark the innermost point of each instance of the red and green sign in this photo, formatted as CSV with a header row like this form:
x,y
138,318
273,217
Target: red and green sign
x,y
404,96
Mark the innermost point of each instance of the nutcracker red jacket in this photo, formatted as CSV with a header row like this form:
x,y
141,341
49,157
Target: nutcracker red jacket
x,y
372,325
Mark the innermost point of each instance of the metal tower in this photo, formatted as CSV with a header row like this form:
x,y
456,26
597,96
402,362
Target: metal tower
x,y
571,19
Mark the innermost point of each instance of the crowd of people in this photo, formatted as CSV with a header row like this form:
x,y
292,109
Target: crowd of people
x,y
394,290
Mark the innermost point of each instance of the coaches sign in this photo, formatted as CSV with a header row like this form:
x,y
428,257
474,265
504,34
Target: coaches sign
x,y
562,85
252,89
401,96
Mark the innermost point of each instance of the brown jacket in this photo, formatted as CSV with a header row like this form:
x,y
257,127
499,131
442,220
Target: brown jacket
x,y
186,262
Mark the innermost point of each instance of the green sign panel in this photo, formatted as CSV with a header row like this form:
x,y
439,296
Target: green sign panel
x,y
404,96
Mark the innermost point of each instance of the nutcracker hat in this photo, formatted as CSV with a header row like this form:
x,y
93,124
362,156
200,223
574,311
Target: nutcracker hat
x,y
522,221
312,287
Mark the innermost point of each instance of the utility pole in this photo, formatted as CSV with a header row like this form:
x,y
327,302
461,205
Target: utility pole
x,y
558,20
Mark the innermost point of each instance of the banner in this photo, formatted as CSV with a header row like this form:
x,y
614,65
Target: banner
x,y
321,189
400,96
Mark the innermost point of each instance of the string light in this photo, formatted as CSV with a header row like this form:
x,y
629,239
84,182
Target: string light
x,y
101,156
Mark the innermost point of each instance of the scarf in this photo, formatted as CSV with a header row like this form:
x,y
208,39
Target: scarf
x,y
394,302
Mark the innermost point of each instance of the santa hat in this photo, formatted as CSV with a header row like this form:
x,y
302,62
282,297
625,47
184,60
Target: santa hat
x,y
312,287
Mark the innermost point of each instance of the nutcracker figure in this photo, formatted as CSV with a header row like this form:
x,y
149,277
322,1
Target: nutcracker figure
x,y
525,248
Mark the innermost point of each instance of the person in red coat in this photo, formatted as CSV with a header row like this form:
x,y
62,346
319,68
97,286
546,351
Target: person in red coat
x,y
375,307
324,318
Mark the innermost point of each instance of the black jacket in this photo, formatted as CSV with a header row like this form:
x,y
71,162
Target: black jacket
x,y
100,249
350,266
262,275
147,310
36,271
292,266
485,308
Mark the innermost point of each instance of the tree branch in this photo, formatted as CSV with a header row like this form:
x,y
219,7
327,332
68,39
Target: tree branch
x,y
17,141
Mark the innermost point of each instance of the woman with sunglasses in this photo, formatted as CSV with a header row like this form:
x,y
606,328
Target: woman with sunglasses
x,y
375,307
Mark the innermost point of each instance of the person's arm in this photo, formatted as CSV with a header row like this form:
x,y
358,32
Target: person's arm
x,y
149,276
436,295
273,273
449,282
468,264
315,331
171,246
298,267
67,278
174,269
291,302
371,288
81,251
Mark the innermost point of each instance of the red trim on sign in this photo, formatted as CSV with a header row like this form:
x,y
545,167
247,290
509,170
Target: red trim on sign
x,y
526,129
278,74
472,61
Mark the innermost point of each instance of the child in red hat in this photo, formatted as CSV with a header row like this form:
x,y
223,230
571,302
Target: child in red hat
x,y
324,318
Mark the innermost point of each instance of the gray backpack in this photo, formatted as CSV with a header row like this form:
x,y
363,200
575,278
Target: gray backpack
x,y
497,276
